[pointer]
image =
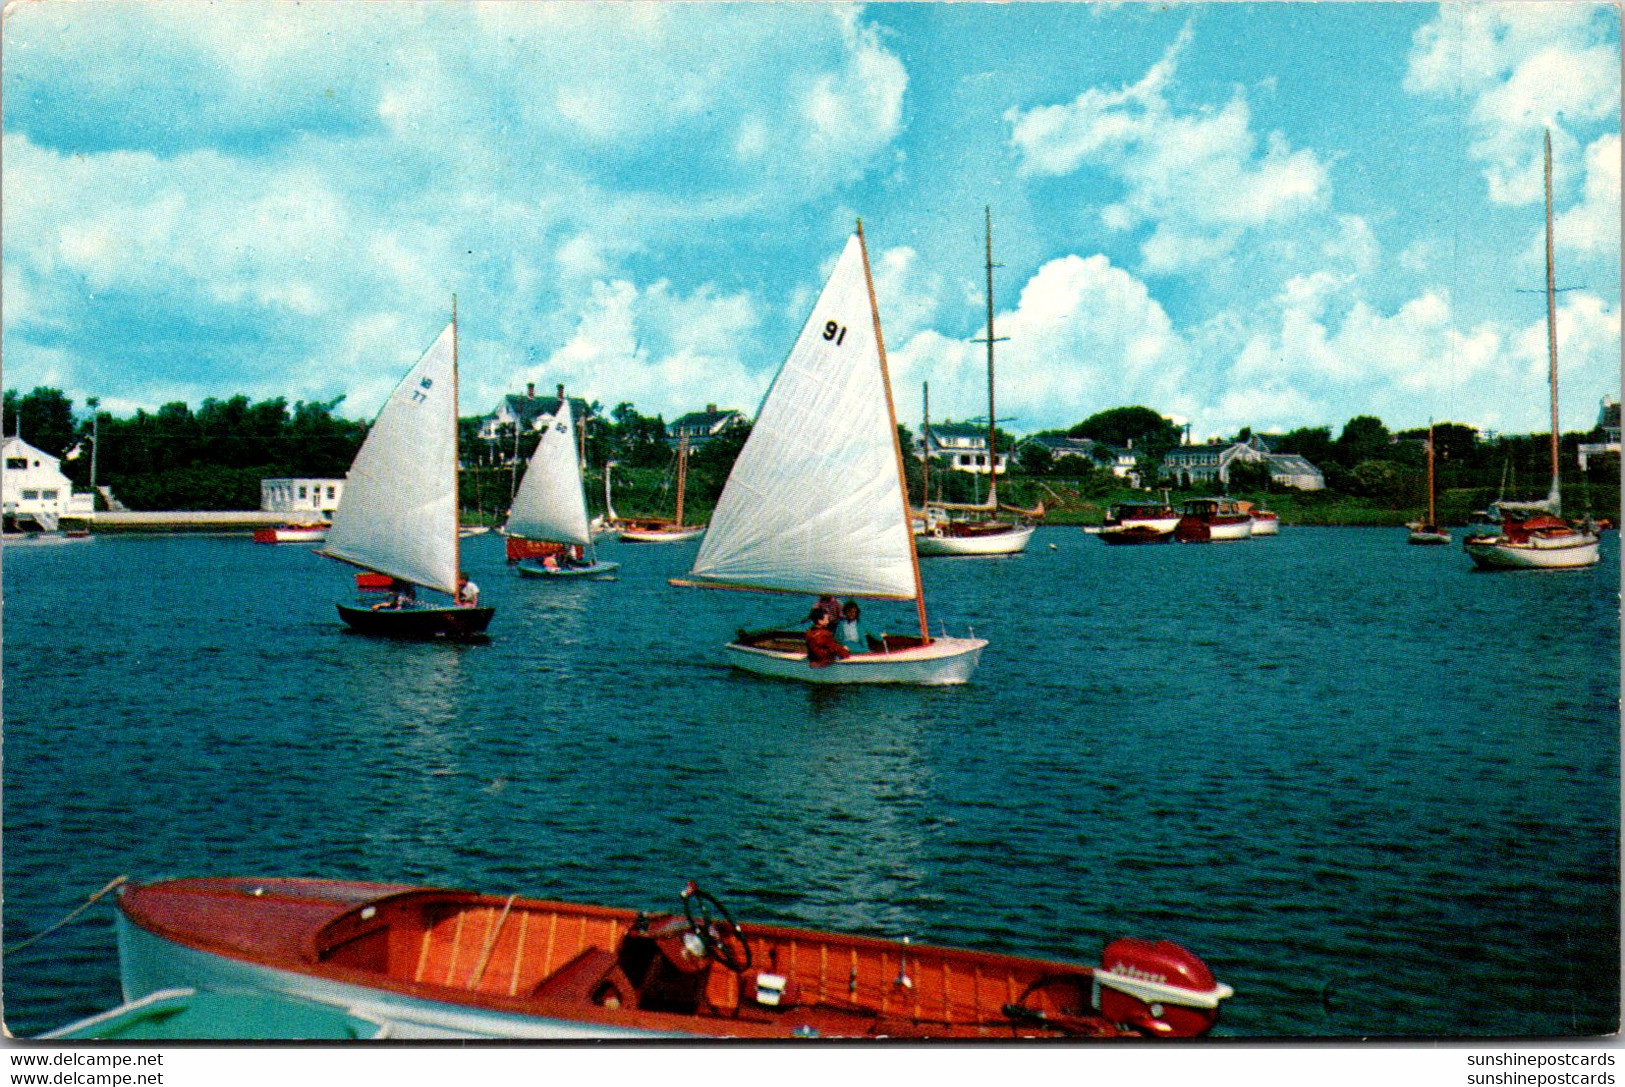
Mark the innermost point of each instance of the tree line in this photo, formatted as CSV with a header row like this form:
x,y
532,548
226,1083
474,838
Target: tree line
x,y
214,456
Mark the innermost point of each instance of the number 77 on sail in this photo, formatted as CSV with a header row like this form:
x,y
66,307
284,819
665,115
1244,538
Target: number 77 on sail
x,y
816,502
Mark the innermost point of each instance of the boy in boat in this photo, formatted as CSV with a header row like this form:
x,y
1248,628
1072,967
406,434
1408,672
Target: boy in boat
x,y
402,594
468,593
822,648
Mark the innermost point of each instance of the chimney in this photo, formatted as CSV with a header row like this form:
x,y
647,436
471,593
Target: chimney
x,y
561,392
710,409
530,390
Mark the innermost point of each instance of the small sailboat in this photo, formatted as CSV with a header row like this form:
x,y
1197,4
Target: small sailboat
x,y
976,528
658,529
436,963
398,516
551,505
816,501
1429,532
1533,535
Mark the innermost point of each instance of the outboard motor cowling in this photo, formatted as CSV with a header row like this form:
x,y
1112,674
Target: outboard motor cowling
x,y
1157,988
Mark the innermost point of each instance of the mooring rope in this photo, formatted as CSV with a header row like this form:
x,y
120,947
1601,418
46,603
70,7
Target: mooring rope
x,y
89,902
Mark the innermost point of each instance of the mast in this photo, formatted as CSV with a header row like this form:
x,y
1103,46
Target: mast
x,y
581,479
992,416
456,497
682,476
925,449
891,415
1432,521
1551,321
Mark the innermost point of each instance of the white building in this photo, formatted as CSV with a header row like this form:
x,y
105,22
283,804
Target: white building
x,y
963,446
34,489
301,495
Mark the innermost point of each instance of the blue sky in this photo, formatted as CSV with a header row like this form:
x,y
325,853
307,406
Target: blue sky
x,y
1268,215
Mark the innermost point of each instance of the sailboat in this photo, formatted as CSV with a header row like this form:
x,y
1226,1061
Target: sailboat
x,y
1429,532
658,529
1532,535
816,501
944,533
609,521
551,504
398,516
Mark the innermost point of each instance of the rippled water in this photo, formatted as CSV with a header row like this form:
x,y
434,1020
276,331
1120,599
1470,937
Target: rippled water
x,y
1377,791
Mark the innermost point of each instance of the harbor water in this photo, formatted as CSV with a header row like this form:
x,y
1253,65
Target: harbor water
x,y
1377,791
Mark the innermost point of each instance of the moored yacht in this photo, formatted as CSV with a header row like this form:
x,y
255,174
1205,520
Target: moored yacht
x,y
1210,520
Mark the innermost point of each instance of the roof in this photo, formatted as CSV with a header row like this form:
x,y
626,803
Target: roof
x,y
1293,462
958,430
527,408
1062,446
710,420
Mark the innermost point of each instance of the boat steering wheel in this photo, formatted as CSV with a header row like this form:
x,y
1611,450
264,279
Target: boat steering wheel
x,y
720,935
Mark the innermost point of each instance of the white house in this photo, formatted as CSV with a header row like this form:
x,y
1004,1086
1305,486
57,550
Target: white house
x,y
301,495
1607,429
1188,464
700,427
33,488
1120,462
963,446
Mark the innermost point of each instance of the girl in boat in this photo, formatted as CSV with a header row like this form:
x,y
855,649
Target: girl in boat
x,y
848,632
822,648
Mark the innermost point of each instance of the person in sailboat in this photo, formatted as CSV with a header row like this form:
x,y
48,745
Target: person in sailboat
x,y
402,594
468,593
830,606
849,632
822,648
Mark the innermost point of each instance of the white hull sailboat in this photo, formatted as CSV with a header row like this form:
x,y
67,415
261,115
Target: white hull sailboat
x,y
398,516
1429,533
1533,535
816,503
551,504
956,529
659,530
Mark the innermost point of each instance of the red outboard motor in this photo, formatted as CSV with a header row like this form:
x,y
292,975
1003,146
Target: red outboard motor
x,y
1159,989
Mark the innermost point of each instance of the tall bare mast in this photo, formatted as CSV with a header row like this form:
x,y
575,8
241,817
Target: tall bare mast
x,y
1551,316
992,416
456,453
925,446
1432,520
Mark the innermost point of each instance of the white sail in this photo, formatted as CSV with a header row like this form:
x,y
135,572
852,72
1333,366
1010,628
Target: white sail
x,y
550,505
814,503
398,515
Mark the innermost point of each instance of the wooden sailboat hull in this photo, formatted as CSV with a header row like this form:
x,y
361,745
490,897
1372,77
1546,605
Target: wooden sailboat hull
x,y
434,963
661,535
1560,553
942,662
417,624
1008,542
532,568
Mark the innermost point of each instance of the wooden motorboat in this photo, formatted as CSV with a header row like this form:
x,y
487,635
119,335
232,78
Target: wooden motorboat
x,y
1265,522
1139,523
815,502
398,516
1533,535
446,963
292,533
1205,520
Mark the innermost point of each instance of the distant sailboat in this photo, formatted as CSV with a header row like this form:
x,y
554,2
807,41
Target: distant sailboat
x,y
658,529
398,515
1429,532
1532,535
816,502
944,530
551,504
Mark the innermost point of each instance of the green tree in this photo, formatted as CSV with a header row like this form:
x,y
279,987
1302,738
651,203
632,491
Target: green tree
x,y
1364,438
44,419
1313,444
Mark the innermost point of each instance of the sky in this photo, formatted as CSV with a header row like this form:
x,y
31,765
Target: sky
x,y
1273,215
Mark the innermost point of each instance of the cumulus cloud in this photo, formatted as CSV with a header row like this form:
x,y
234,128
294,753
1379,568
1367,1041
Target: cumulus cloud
x,y
1201,180
1523,68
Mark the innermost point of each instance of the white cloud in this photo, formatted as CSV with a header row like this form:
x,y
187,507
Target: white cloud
x,y
1592,227
1199,179
1524,67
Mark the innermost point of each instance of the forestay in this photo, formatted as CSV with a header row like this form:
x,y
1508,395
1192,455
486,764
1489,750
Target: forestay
x,y
814,503
550,504
398,515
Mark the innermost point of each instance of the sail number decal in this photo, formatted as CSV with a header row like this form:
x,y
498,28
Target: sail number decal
x,y
418,395
835,333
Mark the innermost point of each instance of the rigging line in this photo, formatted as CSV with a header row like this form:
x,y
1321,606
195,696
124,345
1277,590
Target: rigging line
x,y
89,902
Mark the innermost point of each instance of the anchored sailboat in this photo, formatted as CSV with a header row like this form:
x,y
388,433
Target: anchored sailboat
x,y
945,529
551,505
658,529
1429,532
816,501
398,516
1533,535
